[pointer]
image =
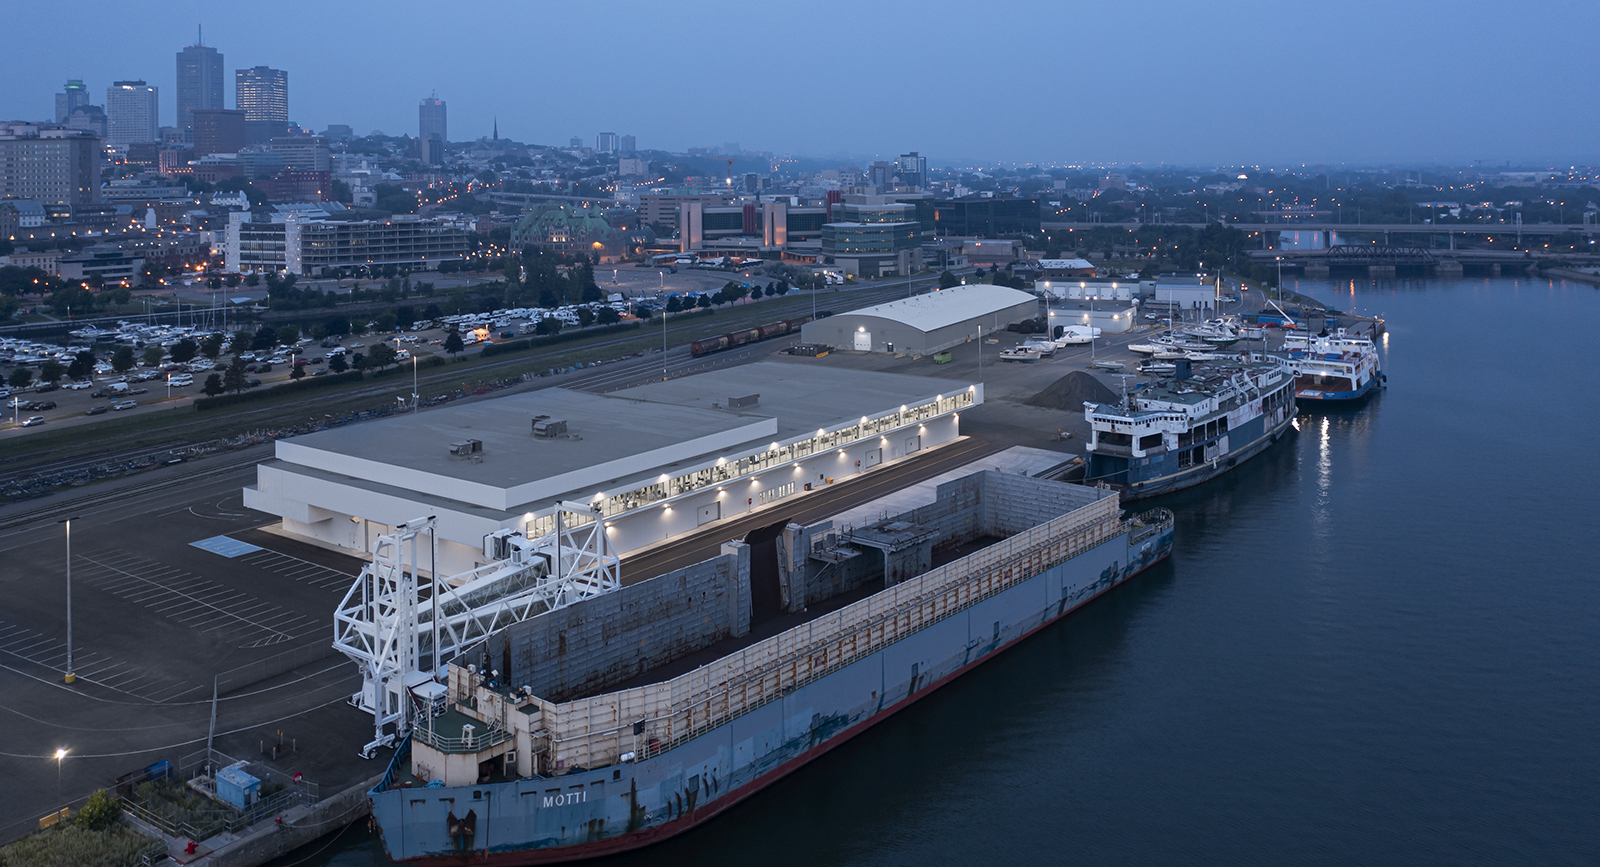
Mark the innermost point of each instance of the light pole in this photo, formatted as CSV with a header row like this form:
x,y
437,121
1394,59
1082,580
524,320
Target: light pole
x,y
61,753
664,376
71,675
1280,279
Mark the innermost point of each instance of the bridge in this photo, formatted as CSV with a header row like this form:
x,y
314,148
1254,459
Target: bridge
x,y
1452,229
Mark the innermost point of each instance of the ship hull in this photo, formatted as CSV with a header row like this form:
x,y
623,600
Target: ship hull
x,y
575,817
1157,478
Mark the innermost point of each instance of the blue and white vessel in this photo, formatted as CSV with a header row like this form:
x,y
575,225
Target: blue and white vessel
x,y
1331,368
1203,421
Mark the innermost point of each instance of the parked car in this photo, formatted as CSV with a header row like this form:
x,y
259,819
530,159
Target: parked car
x,y
33,420
46,386
124,404
80,385
138,391
251,383
40,405
97,409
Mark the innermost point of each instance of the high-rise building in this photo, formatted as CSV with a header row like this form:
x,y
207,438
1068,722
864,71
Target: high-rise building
x,y
303,153
878,175
199,84
89,118
218,131
629,145
132,111
50,166
431,120
605,142
262,93
912,169
74,95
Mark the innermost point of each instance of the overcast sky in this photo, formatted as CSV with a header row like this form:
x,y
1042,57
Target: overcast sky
x,y
1174,81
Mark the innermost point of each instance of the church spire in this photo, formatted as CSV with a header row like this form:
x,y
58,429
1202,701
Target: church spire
x,y
497,128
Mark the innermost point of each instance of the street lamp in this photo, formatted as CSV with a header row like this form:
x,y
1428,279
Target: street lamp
x,y
61,753
71,675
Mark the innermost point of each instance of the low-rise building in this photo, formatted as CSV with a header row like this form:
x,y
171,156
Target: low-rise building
x,y
305,240
926,323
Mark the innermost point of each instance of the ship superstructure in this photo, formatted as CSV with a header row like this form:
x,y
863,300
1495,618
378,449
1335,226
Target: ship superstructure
x,y
1182,430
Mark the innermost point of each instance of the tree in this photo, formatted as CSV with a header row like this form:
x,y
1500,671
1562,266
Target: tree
x,y
213,386
548,325
297,371
184,351
241,341
233,379
608,316
211,347
98,812
82,366
585,317
948,280
337,364
703,303
122,360
452,343
152,356
288,335
52,370
21,377
232,281
386,320
381,355
265,337
252,280
674,304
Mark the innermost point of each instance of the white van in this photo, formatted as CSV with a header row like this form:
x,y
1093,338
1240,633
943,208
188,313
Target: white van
x,y
180,379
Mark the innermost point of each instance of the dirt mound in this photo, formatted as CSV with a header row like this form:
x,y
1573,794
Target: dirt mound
x,y
1070,391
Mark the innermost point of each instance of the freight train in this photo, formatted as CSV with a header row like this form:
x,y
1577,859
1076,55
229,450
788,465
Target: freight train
x,y
709,345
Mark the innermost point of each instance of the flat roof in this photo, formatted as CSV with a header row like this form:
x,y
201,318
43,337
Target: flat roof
x,y
618,439
801,398
934,310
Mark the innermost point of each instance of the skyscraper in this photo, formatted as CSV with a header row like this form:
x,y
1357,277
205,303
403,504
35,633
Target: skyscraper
x,y
132,111
218,131
606,142
912,169
431,120
262,93
199,84
629,144
75,95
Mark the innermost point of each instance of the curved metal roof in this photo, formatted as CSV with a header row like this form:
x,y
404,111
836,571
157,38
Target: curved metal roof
x,y
934,310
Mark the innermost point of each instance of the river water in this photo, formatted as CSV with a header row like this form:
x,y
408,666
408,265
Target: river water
x,y
1376,643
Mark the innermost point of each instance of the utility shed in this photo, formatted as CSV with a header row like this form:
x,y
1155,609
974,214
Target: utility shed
x,y
237,786
926,323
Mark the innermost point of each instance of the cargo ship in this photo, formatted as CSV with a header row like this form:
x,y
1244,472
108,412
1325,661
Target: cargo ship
x,y
1202,421
1331,368
632,716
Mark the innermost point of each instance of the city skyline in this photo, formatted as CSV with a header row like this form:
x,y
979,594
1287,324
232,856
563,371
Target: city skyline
x,y
1173,84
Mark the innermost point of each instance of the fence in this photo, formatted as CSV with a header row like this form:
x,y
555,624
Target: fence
x,y
588,732
170,808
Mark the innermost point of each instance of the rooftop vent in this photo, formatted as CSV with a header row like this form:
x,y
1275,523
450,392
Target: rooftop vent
x,y
466,448
742,402
549,428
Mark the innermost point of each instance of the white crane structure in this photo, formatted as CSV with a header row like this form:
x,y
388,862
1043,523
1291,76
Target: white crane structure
x,y
393,617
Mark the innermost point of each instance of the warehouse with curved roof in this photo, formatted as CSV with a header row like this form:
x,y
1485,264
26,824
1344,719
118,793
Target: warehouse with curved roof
x,y
924,324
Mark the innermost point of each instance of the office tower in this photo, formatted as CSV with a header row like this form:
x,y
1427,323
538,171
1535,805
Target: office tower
x,y
878,175
576,142
74,95
199,84
431,120
629,145
89,118
912,169
605,142
132,109
262,93
218,131
51,166
339,132
303,153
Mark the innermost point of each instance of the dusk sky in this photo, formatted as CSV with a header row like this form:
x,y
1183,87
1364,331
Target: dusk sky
x,y
1168,81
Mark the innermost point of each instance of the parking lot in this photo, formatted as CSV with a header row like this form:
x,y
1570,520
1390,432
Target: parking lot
x,y
169,590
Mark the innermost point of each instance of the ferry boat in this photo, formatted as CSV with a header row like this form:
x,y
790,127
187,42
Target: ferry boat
x,y
1205,420
1331,368
630,717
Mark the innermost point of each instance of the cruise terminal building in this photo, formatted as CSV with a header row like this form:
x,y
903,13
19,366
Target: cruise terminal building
x,y
657,460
